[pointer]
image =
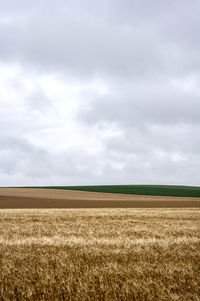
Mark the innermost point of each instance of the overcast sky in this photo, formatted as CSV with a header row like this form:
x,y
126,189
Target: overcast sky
x,y
99,92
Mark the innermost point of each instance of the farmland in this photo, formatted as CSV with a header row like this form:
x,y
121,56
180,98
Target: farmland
x,y
58,198
59,244
100,254
154,190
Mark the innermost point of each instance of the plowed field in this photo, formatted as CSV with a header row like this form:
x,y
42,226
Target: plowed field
x,y
45,198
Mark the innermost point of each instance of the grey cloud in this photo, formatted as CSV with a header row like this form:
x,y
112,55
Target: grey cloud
x,y
146,122
12,152
177,142
9,43
88,47
163,154
20,156
23,163
144,103
37,100
18,144
83,44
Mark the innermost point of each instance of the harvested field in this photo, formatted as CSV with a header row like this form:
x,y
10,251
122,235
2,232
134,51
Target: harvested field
x,y
47,198
100,254
159,190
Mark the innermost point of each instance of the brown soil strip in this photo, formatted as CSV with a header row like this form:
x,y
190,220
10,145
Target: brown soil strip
x,y
45,198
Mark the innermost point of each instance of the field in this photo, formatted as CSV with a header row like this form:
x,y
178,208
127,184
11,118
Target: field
x,y
57,198
154,190
100,254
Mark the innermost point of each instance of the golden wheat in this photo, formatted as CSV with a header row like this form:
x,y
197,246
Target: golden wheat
x,y
100,254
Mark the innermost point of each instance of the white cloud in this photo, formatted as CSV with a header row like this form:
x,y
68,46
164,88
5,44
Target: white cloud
x,y
99,92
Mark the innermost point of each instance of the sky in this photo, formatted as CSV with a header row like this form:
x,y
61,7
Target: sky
x,y
99,92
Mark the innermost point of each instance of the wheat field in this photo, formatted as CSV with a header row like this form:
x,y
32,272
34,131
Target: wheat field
x,y
100,254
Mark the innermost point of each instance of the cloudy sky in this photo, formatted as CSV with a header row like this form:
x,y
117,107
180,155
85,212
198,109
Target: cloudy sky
x,y
99,92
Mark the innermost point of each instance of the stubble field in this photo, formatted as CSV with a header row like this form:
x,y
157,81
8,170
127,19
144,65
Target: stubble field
x,y
100,254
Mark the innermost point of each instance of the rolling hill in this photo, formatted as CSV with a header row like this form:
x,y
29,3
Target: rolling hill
x,y
155,190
